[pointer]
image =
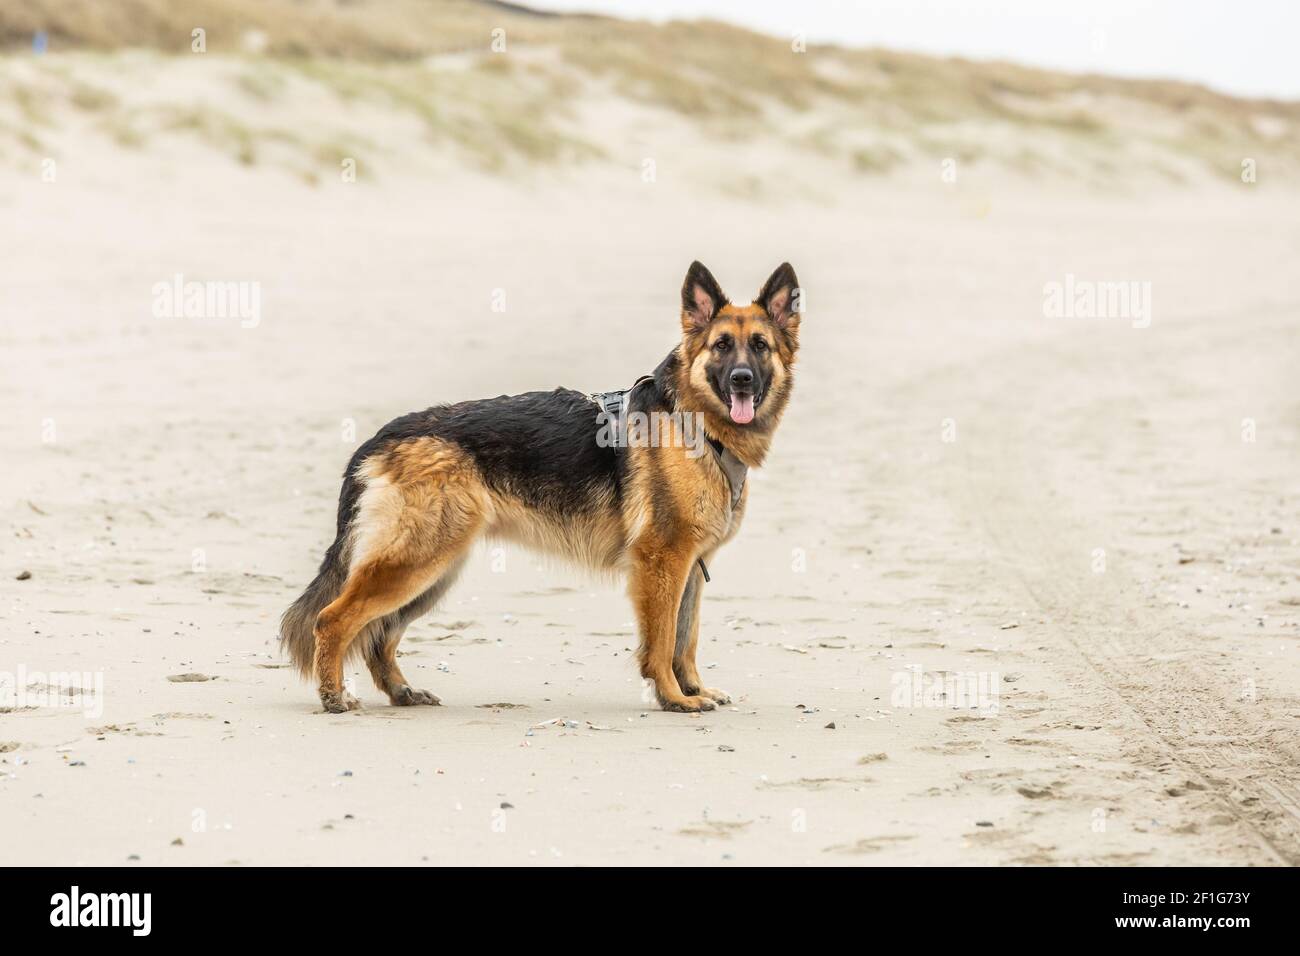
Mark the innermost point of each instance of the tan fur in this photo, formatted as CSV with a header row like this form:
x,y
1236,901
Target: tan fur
x,y
594,542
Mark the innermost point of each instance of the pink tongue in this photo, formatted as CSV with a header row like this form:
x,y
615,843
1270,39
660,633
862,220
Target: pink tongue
x,y
742,409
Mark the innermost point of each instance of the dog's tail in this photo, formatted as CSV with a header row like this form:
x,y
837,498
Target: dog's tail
x,y
297,625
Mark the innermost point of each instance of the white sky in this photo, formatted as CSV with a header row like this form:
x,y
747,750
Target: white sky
x,y
1248,47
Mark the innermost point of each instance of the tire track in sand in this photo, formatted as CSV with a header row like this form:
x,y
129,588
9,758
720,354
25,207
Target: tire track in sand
x,y
1141,657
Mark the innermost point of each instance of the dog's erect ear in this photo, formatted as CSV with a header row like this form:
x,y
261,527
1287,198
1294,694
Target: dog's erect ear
x,y
701,298
780,296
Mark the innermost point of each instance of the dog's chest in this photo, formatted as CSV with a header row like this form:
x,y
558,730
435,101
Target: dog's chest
x,y
720,503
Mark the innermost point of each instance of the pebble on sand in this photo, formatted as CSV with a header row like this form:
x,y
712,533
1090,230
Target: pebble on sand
x,y
189,678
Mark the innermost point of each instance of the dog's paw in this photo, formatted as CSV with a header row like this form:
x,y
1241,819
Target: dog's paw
x,y
688,705
407,696
691,689
719,697
338,702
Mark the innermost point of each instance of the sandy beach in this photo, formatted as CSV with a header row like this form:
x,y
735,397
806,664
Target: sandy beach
x,y
1091,522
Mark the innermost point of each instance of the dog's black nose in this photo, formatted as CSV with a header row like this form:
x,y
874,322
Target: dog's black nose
x,y
741,378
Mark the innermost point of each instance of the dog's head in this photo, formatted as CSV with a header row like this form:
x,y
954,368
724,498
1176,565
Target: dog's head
x,y
738,358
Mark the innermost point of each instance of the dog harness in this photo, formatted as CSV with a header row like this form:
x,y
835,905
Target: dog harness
x,y
615,406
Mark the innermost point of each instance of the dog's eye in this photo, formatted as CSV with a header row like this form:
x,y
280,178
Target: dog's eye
x,y
760,344
722,344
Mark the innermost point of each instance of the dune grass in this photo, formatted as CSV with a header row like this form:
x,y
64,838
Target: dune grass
x,y
433,61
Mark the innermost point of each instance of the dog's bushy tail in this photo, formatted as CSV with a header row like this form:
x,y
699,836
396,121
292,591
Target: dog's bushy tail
x,y
297,625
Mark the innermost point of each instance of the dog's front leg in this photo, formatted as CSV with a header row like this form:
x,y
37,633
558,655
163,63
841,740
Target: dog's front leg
x,y
688,639
658,579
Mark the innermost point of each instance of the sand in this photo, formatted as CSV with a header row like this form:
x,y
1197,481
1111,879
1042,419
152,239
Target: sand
x,y
1094,525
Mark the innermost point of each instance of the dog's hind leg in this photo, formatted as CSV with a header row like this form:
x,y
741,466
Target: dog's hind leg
x,y
389,677
422,507
380,650
688,639
373,590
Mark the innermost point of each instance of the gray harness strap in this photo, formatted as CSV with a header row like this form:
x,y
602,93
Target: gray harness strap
x,y
614,405
735,470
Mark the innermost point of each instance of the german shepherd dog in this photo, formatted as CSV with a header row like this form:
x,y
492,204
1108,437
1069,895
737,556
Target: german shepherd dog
x,y
531,469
